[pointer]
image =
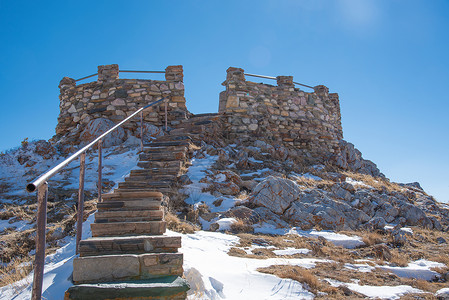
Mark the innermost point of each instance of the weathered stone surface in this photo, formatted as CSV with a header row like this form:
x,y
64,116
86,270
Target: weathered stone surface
x,y
168,287
114,99
99,126
351,159
275,194
226,188
126,267
128,228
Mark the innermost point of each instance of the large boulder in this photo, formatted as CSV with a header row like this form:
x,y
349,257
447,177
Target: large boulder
x,y
275,193
316,208
351,159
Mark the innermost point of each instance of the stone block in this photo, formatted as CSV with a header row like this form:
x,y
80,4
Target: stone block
x,y
110,268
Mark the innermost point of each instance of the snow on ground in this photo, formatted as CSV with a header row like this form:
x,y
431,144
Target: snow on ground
x,y
57,272
337,239
364,268
230,277
291,251
420,269
117,164
357,183
377,292
17,225
305,176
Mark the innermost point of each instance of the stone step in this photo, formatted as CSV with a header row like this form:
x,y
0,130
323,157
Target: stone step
x,y
163,288
166,149
203,117
163,156
167,143
157,171
160,164
165,177
126,267
128,216
127,204
145,184
161,189
175,138
129,245
128,228
188,129
133,194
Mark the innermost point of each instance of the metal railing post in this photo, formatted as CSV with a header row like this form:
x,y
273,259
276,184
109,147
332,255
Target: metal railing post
x,y
100,167
79,225
141,131
41,223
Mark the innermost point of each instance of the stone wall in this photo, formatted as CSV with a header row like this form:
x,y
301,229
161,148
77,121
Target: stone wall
x,y
282,114
114,99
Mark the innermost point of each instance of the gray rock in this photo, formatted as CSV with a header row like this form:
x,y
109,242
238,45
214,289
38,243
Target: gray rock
x,y
341,193
399,237
263,214
316,208
375,223
387,212
441,240
275,193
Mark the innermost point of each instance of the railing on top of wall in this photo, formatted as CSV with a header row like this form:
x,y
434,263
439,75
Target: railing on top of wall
x,y
274,78
41,185
123,71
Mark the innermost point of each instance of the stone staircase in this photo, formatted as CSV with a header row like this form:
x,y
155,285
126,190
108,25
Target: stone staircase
x,y
128,256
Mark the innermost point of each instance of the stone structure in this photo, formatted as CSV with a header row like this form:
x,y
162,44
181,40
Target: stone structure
x,y
282,114
115,99
306,122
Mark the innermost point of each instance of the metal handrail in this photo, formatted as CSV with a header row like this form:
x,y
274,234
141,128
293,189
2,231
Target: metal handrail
x,y
31,187
41,185
274,78
124,71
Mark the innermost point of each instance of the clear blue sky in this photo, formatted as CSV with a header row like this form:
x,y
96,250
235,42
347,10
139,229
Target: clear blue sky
x,y
388,60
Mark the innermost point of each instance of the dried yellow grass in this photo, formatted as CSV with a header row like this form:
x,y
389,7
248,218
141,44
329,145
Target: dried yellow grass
x,y
175,224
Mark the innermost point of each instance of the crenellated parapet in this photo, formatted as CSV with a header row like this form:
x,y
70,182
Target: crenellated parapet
x,y
307,121
113,98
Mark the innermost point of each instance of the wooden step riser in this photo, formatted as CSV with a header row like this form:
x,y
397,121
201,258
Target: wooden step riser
x,y
113,268
128,228
128,205
129,245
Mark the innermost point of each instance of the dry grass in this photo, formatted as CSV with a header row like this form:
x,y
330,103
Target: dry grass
x,y
175,224
372,238
14,271
398,259
377,183
296,273
311,183
241,227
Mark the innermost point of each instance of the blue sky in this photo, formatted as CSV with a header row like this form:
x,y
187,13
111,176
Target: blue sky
x,y
388,60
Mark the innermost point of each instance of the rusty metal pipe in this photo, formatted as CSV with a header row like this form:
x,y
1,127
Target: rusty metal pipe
x,y
41,224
